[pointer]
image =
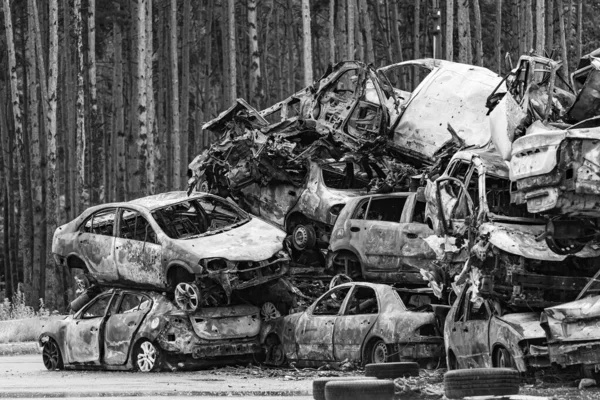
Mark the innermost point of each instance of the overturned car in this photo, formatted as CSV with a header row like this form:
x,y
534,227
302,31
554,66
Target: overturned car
x,y
200,247
142,330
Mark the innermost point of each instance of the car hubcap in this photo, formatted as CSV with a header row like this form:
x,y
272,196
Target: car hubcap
x,y
50,355
187,296
146,357
301,237
380,353
268,311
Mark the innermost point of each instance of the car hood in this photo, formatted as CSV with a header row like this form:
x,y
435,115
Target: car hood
x,y
583,309
527,325
256,240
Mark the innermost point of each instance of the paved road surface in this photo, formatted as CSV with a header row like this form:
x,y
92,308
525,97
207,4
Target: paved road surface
x,y
26,377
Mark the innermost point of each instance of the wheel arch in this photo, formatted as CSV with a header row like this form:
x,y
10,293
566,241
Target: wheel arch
x,y
173,266
351,251
73,260
296,217
369,341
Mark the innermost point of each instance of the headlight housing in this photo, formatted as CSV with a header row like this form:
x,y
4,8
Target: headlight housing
x,y
216,264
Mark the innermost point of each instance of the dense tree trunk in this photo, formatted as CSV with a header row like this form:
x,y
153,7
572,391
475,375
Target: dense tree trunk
x,y
142,103
80,108
550,26
96,133
307,43
119,109
449,30
578,45
331,27
150,155
397,41
175,135
358,36
367,30
529,25
350,30
478,41
540,26
498,36
232,50
464,33
185,88
562,36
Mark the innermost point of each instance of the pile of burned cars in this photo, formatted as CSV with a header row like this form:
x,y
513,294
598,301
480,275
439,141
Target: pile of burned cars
x,y
483,189
173,283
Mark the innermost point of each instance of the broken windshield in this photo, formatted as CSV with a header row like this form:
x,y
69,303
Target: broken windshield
x,y
199,216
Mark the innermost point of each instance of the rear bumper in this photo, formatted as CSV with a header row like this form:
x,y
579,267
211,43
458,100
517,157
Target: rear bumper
x,y
420,351
224,350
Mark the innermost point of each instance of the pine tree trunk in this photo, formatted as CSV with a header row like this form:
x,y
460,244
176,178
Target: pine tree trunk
x,y
578,45
478,40
185,88
232,50
397,41
307,43
358,36
150,114
142,103
342,41
562,36
80,108
331,32
96,131
162,154
550,26
175,133
289,27
417,30
208,61
464,33
119,108
540,25
498,36
368,31
350,30
254,55
529,24
449,30
10,266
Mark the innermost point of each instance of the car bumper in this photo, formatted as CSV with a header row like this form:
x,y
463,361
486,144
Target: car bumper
x,y
224,350
565,354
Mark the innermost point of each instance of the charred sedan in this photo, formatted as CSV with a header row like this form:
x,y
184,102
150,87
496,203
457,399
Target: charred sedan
x,y
358,323
200,246
144,331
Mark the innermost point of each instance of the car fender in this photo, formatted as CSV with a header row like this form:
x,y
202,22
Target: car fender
x,y
503,334
351,249
180,264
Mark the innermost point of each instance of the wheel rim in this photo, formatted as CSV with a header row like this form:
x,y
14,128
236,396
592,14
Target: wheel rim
x,y
50,355
268,311
564,247
187,296
277,355
300,237
146,358
380,353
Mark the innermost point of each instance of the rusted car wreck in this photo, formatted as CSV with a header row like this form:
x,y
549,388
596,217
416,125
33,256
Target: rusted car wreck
x,y
144,331
200,247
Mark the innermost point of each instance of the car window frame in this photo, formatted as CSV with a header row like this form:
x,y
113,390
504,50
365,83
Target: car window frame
x,y
122,297
342,306
117,231
81,313
346,306
91,217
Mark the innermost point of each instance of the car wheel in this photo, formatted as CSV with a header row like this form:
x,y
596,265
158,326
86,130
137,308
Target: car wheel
x,y
481,382
379,353
503,359
360,390
268,311
51,356
304,237
187,296
392,370
275,353
319,384
146,357
564,247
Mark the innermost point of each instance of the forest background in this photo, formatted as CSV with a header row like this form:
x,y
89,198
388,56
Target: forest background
x,y
103,100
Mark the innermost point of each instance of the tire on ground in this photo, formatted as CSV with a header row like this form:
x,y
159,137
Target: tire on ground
x,y
319,384
360,390
481,382
392,370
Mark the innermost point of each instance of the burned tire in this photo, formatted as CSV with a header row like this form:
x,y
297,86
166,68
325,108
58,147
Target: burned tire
x,y
275,353
392,370
146,357
51,356
304,237
481,382
319,384
360,390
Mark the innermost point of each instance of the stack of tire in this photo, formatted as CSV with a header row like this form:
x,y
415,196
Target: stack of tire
x,y
377,384
481,382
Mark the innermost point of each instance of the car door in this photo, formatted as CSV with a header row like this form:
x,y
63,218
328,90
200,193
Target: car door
x,y
355,323
138,251
314,330
454,195
84,332
469,330
95,242
122,325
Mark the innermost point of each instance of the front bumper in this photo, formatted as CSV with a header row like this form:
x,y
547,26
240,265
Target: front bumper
x,y
564,354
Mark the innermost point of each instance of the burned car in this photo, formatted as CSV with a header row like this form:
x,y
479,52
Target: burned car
x,y
553,144
201,247
478,333
470,207
379,129
144,331
358,323
381,238
572,334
